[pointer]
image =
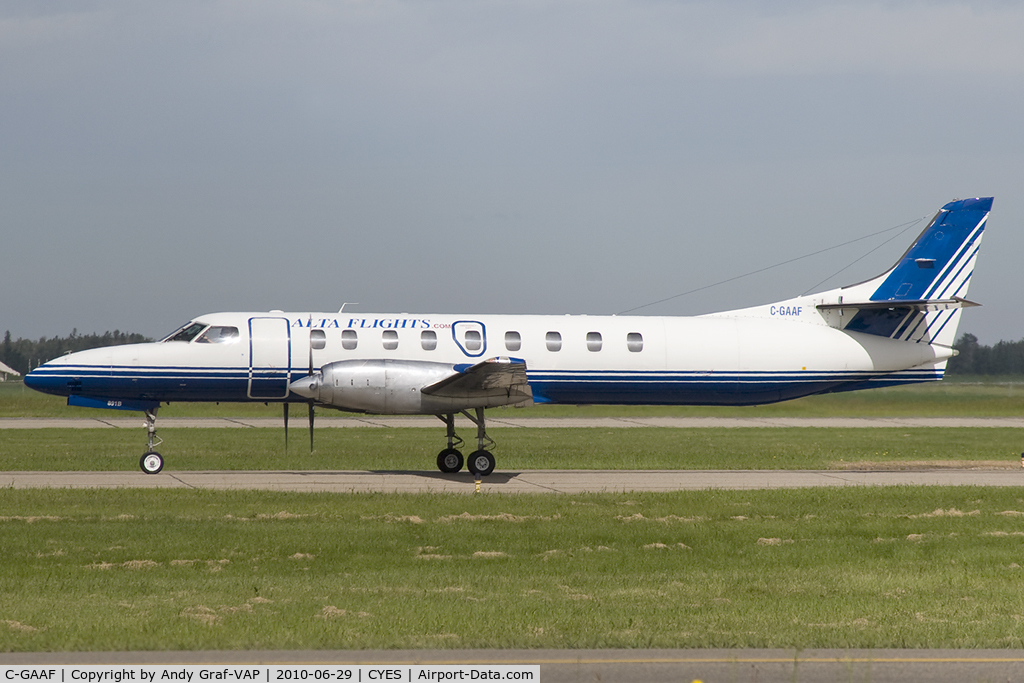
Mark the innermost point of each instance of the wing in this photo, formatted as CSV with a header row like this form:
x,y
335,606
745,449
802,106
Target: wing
x,y
501,376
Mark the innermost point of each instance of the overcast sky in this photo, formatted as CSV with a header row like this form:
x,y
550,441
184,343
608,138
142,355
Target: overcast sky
x,y
159,160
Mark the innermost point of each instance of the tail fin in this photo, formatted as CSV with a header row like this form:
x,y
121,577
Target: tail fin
x,y
921,297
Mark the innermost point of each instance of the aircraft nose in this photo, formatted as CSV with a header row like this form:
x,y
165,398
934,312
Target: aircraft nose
x,y
307,387
34,380
48,380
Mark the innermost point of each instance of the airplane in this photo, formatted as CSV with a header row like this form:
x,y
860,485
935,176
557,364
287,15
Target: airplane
x,y
896,328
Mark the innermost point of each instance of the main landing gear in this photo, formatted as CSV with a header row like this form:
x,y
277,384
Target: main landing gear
x,y
151,461
481,462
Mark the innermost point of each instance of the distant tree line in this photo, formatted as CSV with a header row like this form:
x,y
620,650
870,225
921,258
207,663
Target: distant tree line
x,y
25,354
1004,358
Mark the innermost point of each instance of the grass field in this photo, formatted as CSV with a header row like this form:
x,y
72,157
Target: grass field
x,y
845,568
959,396
517,449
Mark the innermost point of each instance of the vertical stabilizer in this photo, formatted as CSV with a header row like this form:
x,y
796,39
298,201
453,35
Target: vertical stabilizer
x,y
921,297
940,262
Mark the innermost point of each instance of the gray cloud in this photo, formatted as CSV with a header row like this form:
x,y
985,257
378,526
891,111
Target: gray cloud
x,y
167,159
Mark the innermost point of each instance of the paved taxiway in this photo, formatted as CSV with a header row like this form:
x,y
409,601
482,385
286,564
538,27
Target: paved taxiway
x,y
630,666
527,481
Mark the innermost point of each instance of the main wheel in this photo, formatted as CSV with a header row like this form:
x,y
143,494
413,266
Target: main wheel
x,y
449,460
151,462
481,463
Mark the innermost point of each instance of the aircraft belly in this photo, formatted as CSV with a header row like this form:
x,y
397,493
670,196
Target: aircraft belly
x,y
170,385
680,391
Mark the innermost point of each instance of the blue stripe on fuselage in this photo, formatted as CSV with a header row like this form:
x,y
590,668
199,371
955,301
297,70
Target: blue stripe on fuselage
x,y
182,384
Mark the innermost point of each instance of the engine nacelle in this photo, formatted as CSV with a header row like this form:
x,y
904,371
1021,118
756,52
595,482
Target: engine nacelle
x,y
386,386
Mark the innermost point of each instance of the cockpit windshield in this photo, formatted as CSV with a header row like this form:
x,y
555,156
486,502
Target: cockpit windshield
x,y
185,333
218,335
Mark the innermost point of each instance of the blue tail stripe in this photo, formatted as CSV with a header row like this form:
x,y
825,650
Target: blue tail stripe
x,y
960,263
968,243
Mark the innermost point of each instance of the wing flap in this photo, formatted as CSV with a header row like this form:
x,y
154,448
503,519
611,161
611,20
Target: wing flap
x,y
500,376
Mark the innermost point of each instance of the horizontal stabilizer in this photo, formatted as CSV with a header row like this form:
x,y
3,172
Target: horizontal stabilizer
x,y
915,305
501,375
894,318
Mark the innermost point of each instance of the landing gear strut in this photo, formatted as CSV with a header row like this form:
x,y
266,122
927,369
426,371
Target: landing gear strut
x,y
481,462
151,461
450,459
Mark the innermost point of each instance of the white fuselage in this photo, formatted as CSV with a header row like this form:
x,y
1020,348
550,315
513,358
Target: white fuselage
x,y
754,356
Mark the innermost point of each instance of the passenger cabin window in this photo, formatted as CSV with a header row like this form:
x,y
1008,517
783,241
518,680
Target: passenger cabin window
x,y
593,341
186,333
390,338
428,339
553,341
635,342
473,340
317,339
513,342
218,335
349,339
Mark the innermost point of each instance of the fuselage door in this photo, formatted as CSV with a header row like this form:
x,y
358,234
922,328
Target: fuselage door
x,y
471,336
269,357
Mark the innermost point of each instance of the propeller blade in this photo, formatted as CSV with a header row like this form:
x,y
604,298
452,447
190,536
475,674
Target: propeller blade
x,y
310,358
285,426
310,426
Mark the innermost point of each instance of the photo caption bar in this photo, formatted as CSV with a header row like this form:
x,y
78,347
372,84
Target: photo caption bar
x,y
199,673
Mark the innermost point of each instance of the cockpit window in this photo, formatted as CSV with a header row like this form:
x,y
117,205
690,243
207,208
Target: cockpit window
x,y
186,333
219,335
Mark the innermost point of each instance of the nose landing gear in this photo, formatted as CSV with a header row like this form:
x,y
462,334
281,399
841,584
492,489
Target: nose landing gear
x,y
151,461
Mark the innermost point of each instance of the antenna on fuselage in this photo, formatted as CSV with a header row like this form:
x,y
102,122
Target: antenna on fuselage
x,y
347,303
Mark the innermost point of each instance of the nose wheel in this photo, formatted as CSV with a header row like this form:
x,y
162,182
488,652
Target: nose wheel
x,y
151,461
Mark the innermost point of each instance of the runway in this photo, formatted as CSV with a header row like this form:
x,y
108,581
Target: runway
x,y
629,666
527,481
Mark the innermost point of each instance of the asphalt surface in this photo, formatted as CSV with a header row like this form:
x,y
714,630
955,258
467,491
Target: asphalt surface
x,y
630,666
530,481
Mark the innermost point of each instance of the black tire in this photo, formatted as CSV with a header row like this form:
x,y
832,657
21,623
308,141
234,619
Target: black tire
x,y
449,461
151,462
481,463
